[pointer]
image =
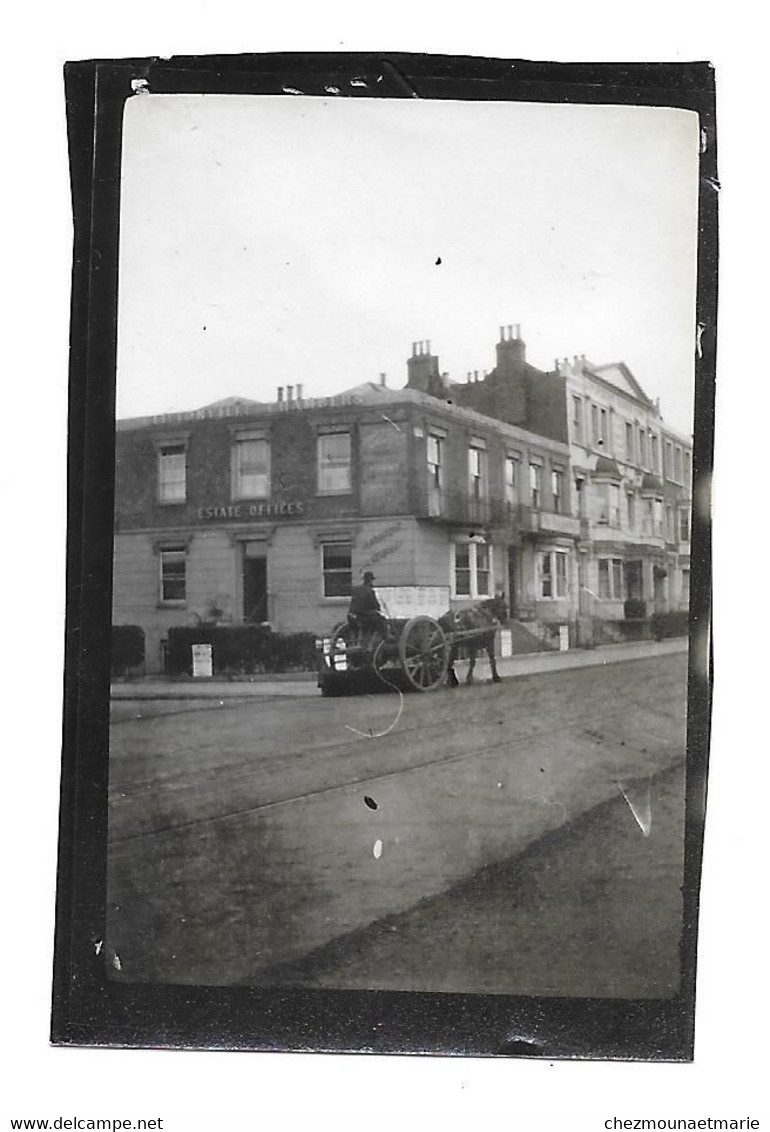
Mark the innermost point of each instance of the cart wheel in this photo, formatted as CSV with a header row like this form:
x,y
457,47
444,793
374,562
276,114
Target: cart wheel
x,y
424,653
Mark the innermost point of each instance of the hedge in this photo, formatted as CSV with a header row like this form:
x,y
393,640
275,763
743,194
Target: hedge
x,y
673,624
241,649
126,648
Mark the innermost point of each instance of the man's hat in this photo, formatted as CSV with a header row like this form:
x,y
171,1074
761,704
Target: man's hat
x,y
368,576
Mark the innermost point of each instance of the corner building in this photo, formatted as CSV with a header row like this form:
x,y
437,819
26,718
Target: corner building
x,y
269,512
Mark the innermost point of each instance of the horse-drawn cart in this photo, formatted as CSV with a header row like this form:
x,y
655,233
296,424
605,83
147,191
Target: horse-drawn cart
x,y
416,651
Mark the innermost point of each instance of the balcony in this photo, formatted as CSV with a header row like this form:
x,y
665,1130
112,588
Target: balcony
x,y
454,507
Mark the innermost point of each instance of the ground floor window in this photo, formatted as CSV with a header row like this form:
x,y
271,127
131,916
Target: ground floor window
x,y
553,573
173,574
337,569
472,569
611,578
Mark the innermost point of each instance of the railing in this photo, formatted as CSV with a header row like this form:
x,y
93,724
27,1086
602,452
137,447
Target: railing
x,y
451,506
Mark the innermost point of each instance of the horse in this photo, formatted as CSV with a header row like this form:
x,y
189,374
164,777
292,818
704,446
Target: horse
x,y
485,619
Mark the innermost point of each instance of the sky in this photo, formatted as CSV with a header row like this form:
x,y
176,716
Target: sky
x,y
270,241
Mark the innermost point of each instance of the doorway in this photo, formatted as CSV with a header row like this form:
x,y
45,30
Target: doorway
x,y
513,582
634,588
254,583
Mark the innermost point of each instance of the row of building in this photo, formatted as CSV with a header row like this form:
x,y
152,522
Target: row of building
x,y
563,490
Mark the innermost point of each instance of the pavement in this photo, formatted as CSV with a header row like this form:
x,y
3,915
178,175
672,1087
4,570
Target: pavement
x,y
304,683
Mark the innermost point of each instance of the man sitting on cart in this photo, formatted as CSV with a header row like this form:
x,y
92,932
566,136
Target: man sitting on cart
x,y
364,612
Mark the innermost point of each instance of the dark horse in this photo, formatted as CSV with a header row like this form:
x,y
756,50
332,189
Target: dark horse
x,y
485,619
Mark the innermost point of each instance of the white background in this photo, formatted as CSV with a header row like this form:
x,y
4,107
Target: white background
x,y
208,1090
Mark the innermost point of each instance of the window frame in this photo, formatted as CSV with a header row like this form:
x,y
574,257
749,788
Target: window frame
x,y
164,448
511,484
472,546
557,571
322,465
478,482
332,541
247,437
536,483
615,578
180,551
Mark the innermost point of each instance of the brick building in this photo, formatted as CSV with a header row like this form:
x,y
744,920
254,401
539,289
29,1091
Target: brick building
x,y
246,511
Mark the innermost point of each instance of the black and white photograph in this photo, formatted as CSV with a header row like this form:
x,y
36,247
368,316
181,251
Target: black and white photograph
x,y
402,548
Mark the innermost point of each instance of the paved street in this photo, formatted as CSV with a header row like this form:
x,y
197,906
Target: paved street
x,y
248,835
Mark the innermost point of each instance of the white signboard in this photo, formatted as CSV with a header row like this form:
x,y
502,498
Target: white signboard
x,y
411,601
201,659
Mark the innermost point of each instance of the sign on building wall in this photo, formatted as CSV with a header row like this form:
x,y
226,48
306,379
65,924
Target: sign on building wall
x,y
411,601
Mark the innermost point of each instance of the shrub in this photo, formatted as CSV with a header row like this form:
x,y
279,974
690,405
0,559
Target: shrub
x,y
126,648
241,649
634,609
673,624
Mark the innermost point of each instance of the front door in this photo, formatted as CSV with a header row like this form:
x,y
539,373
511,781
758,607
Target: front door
x,y
254,585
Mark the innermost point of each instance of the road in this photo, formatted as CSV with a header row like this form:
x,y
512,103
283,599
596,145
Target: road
x,y
247,837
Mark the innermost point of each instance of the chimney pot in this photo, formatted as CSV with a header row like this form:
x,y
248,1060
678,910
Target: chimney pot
x,y
502,333
510,331
382,379
427,346
280,393
518,330
289,392
299,392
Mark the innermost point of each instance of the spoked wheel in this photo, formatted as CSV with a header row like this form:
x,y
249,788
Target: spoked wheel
x,y
424,653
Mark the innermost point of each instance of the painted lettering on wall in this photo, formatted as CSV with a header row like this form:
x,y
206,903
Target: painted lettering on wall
x,y
252,510
381,536
245,409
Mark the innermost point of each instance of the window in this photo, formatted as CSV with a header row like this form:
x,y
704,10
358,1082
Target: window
x,y
669,460
603,426
687,469
594,424
472,569
670,524
678,465
251,466
172,473
334,463
512,472
553,573
611,579
655,454
577,420
435,473
631,512
629,442
477,471
173,574
536,483
643,448
684,526
337,569
557,489
609,504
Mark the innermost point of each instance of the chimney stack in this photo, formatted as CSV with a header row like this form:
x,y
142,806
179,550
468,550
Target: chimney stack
x,y
422,369
511,351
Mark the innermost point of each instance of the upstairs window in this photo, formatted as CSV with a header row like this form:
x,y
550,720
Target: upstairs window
x,y
687,468
173,575
251,467
655,454
172,473
477,472
557,489
678,465
334,463
669,460
594,424
435,473
684,526
643,457
337,568
512,473
536,484
603,427
629,442
577,420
